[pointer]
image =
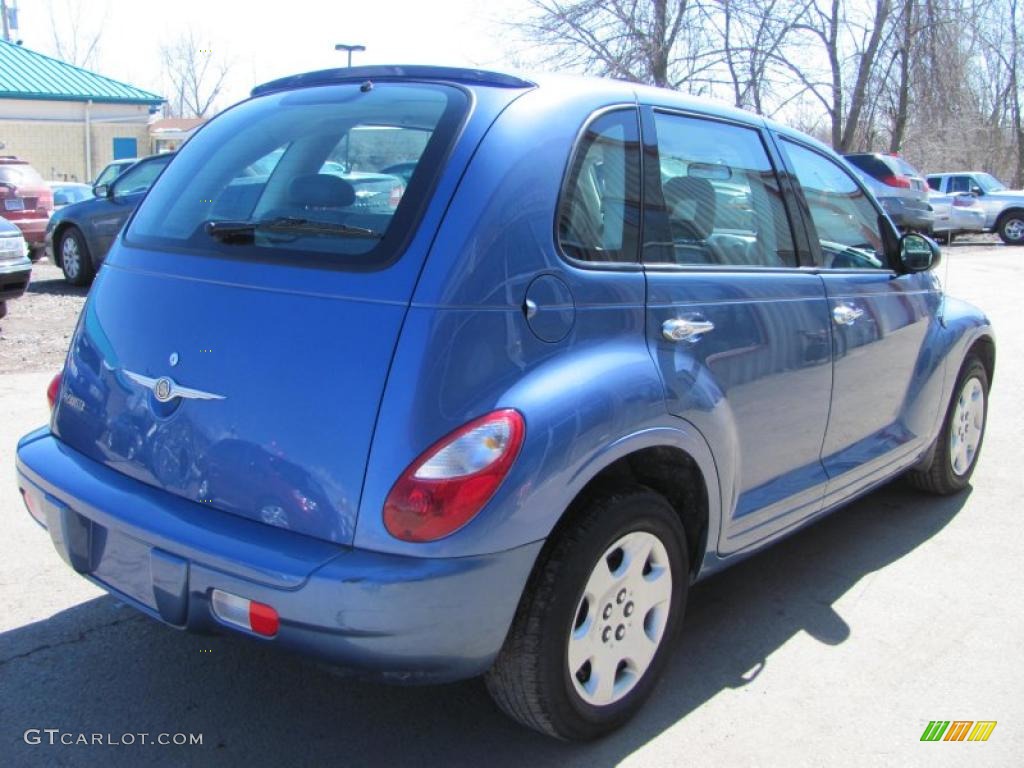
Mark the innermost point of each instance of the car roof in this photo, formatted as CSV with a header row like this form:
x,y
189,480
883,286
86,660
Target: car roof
x,y
954,173
609,89
8,228
12,160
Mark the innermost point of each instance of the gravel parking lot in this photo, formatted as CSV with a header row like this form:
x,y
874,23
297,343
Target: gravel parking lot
x,y
835,647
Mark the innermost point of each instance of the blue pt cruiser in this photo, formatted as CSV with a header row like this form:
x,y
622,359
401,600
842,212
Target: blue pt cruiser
x,y
436,373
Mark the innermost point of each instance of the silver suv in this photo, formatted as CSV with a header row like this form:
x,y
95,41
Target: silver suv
x,y
1004,208
899,187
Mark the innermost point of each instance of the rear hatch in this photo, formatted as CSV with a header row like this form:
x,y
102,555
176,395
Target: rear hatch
x,y
235,347
24,196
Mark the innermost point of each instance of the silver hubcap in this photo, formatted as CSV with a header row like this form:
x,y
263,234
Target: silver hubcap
x,y
620,619
1014,229
968,424
69,256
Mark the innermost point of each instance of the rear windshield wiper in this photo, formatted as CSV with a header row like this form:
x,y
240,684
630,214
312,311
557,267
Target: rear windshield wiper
x,y
228,230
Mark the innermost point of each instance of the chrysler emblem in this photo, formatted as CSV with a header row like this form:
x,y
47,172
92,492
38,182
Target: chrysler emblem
x,y
162,389
166,389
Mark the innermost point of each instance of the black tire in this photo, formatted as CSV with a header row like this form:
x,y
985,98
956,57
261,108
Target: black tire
x,y
531,680
85,271
938,475
1010,228
36,252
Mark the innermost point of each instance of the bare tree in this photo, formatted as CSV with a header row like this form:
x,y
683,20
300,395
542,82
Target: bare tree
x,y
77,33
196,75
662,42
754,35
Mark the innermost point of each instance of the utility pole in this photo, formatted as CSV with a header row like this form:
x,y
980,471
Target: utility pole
x,y
343,47
3,13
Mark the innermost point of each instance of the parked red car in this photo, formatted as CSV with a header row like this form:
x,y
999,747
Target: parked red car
x,y
25,200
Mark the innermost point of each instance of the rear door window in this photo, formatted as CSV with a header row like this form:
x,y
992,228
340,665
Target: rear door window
x,y
330,175
720,197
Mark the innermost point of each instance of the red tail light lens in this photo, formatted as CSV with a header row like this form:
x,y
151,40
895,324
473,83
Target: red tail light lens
x,y
896,181
395,197
54,389
452,480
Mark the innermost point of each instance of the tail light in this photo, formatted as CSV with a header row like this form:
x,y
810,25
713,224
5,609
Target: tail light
x,y
395,197
53,390
452,480
896,181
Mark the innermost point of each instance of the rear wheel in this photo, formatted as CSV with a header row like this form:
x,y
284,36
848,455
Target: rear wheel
x,y
1011,228
75,260
596,622
957,447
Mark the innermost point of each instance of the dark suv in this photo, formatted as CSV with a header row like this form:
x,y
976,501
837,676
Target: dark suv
x,y
899,187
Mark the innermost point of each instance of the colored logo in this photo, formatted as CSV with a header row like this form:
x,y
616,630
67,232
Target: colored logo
x,y
958,730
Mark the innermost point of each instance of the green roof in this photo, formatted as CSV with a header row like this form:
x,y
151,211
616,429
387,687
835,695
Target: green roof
x,y
25,74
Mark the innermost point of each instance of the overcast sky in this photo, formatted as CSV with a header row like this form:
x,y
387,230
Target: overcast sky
x,y
265,40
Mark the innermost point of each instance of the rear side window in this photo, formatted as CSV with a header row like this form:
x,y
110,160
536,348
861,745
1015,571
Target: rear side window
x,y
332,176
720,197
906,168
935,182
599,215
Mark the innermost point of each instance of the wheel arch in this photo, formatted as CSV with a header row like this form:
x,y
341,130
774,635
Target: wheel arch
x,y
985,349
1005,213
58,233
675,463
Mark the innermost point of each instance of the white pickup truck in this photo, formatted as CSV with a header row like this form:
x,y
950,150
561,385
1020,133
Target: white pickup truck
x,y
1004,207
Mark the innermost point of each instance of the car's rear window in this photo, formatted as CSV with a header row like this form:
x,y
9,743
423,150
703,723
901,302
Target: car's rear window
x,y
332,175
20,175
871,165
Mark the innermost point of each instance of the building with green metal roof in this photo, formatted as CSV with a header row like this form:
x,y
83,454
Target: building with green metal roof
x,y
67,121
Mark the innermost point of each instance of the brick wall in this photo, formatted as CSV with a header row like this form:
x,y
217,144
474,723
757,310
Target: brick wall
x,y
57,149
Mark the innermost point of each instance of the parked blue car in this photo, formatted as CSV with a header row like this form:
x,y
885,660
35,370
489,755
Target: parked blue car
x,y
607,341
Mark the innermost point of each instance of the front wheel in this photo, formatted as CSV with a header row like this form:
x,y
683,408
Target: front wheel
x,y
957,447
75,260
1011,228
596,623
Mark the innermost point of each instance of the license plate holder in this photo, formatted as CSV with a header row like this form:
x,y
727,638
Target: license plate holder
x,y
14,204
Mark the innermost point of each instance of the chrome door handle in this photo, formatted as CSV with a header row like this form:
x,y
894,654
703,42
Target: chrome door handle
x,y
683,329
844,314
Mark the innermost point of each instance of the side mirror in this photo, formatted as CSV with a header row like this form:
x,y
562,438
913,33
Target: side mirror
x,y
102,190
977,191
918,253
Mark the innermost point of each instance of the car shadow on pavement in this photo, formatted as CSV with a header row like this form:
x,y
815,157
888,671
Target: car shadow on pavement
x,y
56,287
101,667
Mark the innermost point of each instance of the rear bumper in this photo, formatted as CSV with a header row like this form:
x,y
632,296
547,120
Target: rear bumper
x,y
909,214
400,618
32,229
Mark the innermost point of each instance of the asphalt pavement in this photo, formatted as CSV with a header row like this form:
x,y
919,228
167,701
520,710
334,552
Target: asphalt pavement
x,y
834,648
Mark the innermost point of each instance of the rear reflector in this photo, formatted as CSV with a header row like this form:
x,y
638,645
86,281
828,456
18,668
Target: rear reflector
x,y
245,613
